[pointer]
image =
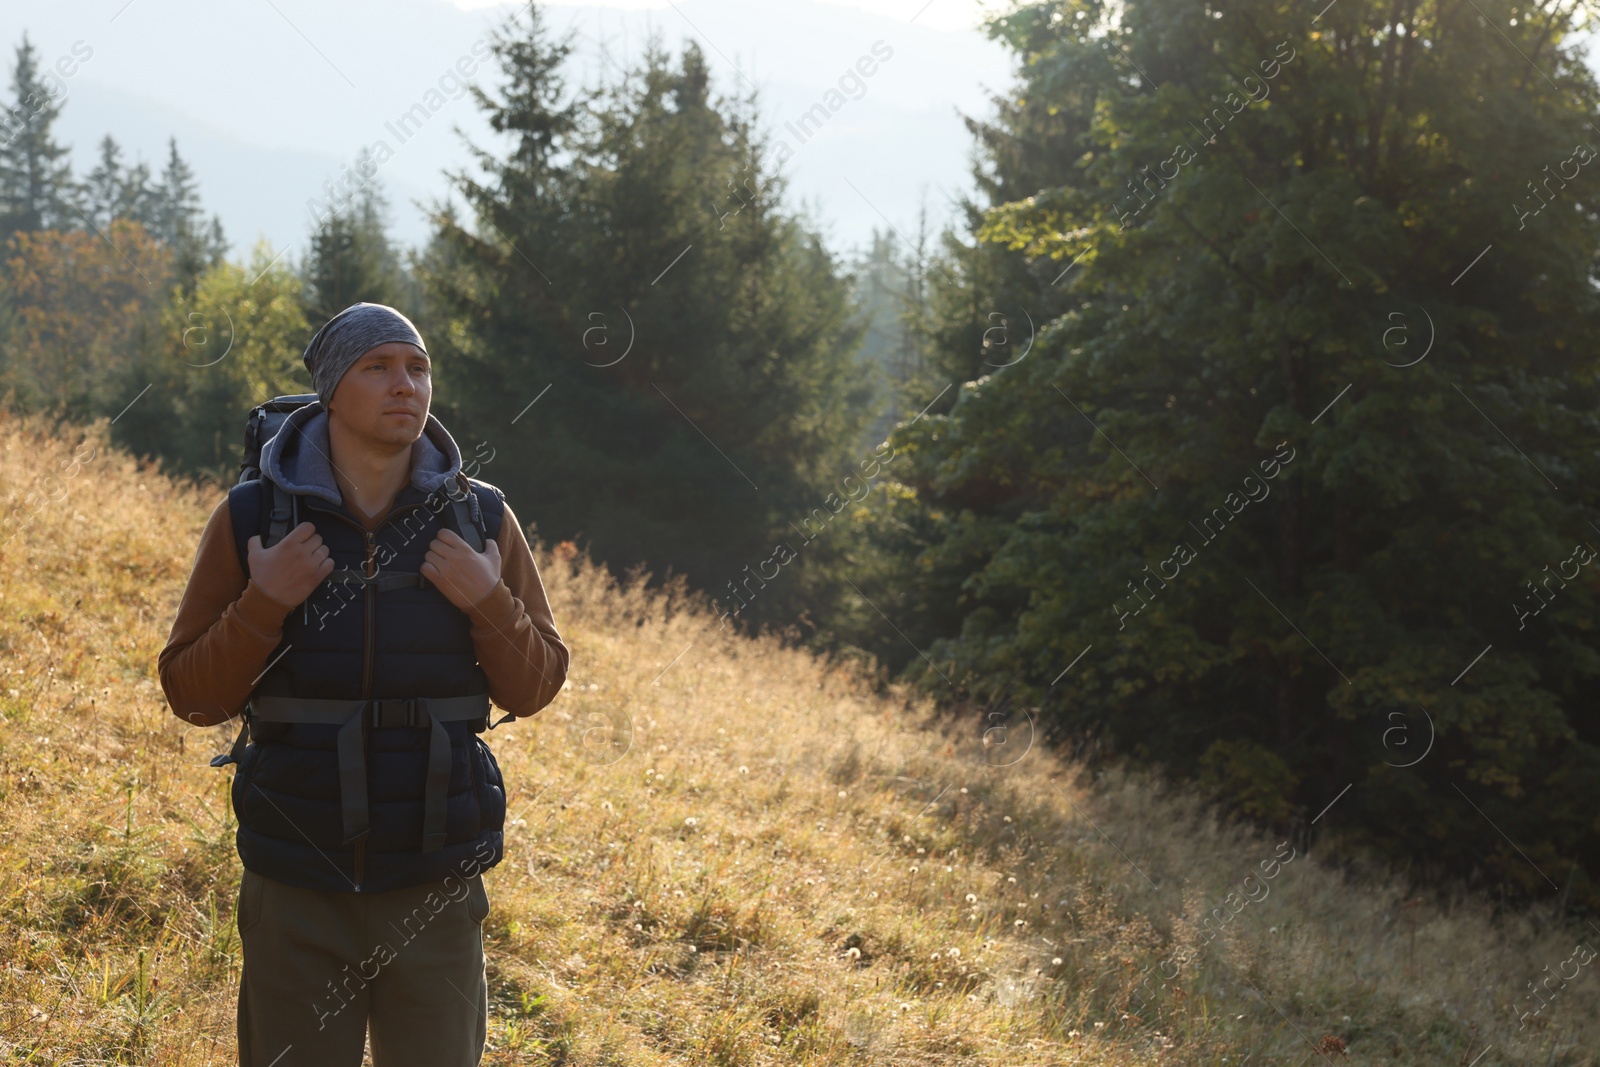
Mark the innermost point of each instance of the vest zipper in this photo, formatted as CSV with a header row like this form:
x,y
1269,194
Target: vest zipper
x,y
371,622
368,639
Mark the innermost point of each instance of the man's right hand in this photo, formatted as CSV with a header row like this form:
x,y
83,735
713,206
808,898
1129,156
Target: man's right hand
x,y
290,570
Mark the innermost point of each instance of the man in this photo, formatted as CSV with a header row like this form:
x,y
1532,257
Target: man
x,y
368,642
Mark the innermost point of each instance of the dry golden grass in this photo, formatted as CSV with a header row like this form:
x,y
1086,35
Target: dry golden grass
x,y
719,851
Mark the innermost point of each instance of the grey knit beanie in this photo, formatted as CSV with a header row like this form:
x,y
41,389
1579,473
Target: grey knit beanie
x,y
347,336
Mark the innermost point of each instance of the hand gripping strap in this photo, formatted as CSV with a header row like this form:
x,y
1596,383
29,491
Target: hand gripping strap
x,y
412,712
261,506
469,523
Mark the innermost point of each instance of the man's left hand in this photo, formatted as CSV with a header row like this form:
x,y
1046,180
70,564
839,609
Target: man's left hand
x,y
465,577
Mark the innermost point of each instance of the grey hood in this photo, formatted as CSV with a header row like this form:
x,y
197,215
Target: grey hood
x,y
299,456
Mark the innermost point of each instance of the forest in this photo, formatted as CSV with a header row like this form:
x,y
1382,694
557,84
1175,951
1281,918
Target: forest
x,y
1243,429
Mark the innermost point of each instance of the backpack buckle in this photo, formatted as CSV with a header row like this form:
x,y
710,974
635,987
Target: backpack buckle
x,y
236,753
398,712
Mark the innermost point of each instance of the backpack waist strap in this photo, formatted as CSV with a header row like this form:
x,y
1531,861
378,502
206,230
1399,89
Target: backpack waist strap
x,y
386,711
349,715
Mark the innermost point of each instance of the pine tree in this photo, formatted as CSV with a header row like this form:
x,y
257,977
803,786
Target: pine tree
x,y
36,186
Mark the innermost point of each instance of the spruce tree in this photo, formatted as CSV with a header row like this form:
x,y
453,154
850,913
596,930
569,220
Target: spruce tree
x,y
104,194
177,219
890,288
635,307
141,197
351,257
180,198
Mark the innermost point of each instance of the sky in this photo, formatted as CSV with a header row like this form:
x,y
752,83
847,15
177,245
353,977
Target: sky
x,y
939,14
269,100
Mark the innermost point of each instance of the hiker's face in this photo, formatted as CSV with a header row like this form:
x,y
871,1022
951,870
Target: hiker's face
x,y
385,394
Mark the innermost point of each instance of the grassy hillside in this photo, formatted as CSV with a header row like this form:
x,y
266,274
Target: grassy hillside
x,y
719,851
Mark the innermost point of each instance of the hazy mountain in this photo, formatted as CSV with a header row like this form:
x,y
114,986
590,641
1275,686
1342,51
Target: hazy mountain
x,y
270,100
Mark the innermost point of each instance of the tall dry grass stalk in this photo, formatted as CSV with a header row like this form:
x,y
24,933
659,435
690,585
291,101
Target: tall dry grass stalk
x,y
718,851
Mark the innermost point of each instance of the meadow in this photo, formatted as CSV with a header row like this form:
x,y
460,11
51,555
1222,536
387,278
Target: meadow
x,y
719,850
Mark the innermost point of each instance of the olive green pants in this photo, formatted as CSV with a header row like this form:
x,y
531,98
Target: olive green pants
x,y
321,968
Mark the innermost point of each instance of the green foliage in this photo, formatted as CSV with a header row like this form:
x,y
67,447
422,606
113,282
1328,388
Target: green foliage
x,y
1250,778
1227,295
233,343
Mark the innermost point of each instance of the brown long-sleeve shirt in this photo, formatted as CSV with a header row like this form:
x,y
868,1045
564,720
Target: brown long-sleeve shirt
x,y
227,628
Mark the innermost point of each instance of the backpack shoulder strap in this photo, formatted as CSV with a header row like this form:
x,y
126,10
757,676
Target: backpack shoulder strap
x,y
259,506
284,516
477,513
244,508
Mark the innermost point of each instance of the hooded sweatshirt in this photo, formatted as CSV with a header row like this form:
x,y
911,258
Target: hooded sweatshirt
x,y
227,627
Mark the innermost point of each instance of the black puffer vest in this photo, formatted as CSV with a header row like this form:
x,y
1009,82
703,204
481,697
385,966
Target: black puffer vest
x,y
354,643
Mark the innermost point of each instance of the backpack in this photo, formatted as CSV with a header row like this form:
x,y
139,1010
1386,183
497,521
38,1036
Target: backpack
x,y
263,424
